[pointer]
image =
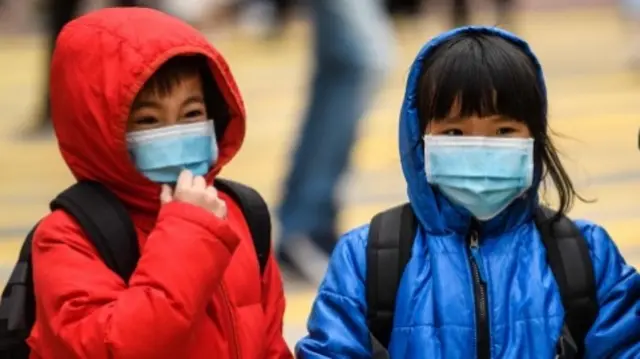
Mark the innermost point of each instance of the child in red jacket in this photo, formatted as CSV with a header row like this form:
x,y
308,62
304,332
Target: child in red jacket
x,y
142,104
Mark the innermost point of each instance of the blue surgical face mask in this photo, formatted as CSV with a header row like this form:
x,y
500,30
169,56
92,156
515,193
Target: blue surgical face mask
x,y
161,154
482,174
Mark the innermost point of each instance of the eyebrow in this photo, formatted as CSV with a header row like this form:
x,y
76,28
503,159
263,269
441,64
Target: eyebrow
x,y
193,99
452,119
144,103
493,118
504,119
156,104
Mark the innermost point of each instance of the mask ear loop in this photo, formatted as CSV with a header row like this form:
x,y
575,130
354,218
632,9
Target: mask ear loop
x,y
215,149
427,167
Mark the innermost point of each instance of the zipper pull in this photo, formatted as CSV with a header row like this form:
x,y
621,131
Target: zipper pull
x,y
474,245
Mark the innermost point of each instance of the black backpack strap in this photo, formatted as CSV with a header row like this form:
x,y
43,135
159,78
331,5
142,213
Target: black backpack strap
x,y
106,223
256,213
570,262
391,236
17,307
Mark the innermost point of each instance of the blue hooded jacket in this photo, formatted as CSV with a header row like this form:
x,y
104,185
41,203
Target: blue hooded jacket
x,y
435,304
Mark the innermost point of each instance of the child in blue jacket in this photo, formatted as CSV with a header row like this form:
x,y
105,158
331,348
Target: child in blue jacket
x,y
475,147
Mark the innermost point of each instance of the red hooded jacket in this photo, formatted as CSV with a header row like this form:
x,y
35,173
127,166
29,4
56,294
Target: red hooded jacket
x,y
197,292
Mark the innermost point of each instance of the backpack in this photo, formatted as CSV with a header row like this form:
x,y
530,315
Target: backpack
x,y
391,236
107,225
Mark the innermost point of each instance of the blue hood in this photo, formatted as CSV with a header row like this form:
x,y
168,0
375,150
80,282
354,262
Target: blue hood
x,y
436,214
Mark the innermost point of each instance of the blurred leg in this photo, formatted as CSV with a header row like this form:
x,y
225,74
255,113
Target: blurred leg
x,y
127,2
281,12
403,7
352,54
283,8
460,13
60,13
505,10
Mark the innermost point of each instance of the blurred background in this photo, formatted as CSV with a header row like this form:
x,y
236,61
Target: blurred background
x,y
590,50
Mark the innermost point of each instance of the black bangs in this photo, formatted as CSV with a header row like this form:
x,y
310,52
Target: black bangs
x,y
482,75
172,72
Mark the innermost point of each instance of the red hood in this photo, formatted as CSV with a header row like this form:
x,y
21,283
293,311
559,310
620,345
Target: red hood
x,y
100,63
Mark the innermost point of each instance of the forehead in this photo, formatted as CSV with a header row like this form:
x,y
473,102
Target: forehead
x,y
182,83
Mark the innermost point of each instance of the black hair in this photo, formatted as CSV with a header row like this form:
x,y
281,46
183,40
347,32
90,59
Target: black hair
x,y
172,72
488,75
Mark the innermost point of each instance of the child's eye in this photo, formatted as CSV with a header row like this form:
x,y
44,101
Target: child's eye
x,y
503,131
453,132
194,113
146,120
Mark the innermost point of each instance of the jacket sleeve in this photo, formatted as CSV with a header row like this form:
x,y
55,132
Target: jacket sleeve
x,y
273,304
85,311
616,332
337,326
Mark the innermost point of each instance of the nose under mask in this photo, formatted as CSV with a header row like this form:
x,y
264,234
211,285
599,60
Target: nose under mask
x,y
161,154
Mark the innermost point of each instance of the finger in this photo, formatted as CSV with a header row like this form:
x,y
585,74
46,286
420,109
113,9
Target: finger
x,y
212,192
211,197
199,182
185,179
166,194
220,209
217,205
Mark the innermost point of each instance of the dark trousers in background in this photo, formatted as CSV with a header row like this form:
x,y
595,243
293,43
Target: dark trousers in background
x,y
460,12
283,8
401,7
60,13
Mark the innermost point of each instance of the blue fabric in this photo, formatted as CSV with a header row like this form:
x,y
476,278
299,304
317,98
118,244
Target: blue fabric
x,y
435,302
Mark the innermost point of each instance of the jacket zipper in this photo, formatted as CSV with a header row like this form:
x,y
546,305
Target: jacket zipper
x,y
483,338
234,349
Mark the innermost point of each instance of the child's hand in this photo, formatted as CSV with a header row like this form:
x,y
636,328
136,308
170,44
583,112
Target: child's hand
x,y
194,190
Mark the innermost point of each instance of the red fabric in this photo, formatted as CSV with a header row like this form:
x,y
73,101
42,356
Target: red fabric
x,y
196,292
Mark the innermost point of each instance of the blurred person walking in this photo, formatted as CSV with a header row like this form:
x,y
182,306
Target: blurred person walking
x,y
352,50
59,13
